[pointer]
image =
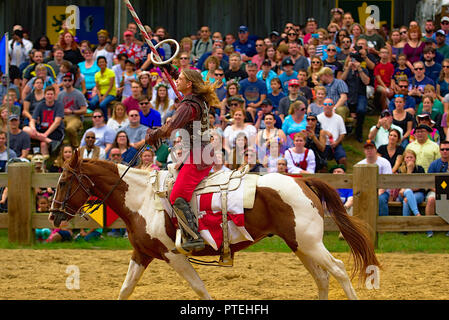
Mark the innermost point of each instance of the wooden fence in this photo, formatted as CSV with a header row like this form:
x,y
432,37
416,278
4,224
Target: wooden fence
x,y
21,219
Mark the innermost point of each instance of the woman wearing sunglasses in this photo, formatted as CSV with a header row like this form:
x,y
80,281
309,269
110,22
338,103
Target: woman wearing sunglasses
x,y
295,121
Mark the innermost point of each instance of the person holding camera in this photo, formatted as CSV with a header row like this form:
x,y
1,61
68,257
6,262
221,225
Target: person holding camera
x,y
357,78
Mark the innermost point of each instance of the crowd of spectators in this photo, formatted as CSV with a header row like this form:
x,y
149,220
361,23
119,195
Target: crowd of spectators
x,y
288,99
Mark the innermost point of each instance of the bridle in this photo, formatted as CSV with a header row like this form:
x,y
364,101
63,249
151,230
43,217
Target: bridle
x,y
64,207
91,207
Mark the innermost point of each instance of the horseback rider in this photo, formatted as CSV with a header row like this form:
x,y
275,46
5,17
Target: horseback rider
x,y
192,116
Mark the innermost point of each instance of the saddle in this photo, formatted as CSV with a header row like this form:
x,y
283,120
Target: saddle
x,y
219,182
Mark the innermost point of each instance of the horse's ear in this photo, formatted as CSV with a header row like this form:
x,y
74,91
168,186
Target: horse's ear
x,y
75,159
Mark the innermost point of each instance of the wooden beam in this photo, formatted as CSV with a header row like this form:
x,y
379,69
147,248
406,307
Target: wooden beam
x,y
40,220
19,203
45,180
3,221
402,224
366,203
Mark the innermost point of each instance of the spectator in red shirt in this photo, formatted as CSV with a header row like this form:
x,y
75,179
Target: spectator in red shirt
x,y
132,102
383,73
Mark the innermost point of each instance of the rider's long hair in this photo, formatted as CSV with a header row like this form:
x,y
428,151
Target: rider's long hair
x,y
199,87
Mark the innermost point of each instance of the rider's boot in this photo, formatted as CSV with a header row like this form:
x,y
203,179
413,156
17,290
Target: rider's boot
x,y
183,209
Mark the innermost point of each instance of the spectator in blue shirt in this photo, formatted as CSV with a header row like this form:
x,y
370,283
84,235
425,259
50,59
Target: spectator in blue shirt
x,y
433,69
437,166
148,116
266,74
288,74
254,91
245,45
419,81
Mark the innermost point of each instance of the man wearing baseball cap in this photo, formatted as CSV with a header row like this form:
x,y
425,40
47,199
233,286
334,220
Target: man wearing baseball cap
x,y
245,45
267,108
288,74
442,47
294,94
426,150
384,166
128,47
444,23
266,74
379,133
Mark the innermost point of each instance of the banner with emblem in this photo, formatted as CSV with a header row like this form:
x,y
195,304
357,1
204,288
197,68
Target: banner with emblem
x,y
381,10
85,22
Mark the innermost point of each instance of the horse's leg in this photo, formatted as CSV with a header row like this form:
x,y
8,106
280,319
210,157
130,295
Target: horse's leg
x,y
320,255
182,266
137,266
320,276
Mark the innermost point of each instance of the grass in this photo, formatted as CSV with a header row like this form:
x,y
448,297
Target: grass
x,y
388,242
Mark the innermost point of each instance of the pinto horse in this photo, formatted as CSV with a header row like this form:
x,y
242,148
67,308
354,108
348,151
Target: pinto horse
x,y
291,208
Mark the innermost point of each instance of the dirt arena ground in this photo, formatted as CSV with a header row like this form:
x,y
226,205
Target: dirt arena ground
x,y
39,274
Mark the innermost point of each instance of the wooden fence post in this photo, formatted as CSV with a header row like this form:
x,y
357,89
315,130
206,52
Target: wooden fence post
x,y
19,203
366,203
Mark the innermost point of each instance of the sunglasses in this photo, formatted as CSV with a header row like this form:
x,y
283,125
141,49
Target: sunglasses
x,y
143,103
292,34
316,62
259,45
133,115
302,109
403,86
311,119
444,149
444,22
97,117
334,50
234,104
183,58
403,32
327,104
219,74
419,69
399,96
311,20
67,80
90,138
445,67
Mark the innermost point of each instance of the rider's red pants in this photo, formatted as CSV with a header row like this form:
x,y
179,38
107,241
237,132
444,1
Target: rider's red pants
x,y
188,178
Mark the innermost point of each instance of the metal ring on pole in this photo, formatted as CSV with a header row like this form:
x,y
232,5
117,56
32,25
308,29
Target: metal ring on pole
x,y
172,57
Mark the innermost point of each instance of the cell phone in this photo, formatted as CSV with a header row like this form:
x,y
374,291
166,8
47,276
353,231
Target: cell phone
x,y
315,35
308,128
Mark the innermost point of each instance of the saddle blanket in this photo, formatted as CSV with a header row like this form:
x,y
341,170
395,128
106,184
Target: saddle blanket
x,y
210,216
210,220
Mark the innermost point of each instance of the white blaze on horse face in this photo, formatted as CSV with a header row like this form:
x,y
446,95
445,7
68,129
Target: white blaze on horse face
x,y
309,226
140,198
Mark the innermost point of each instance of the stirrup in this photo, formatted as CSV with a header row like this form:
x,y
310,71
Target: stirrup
x,y
194,245
226,260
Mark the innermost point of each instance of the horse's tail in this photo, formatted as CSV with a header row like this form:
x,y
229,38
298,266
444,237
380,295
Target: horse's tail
x,y
353,229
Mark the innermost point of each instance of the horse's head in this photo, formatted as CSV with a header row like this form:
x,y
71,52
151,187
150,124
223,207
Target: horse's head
x,y
72,191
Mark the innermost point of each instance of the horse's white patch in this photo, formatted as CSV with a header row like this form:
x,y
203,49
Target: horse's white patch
x,y
140,198
308,222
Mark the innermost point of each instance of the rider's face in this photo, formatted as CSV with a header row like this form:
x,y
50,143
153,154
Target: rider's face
x,y
182,83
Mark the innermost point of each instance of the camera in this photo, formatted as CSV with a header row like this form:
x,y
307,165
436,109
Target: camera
x,y
356,55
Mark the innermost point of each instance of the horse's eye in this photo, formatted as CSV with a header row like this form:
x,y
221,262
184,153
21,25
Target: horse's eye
x,y
61,183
